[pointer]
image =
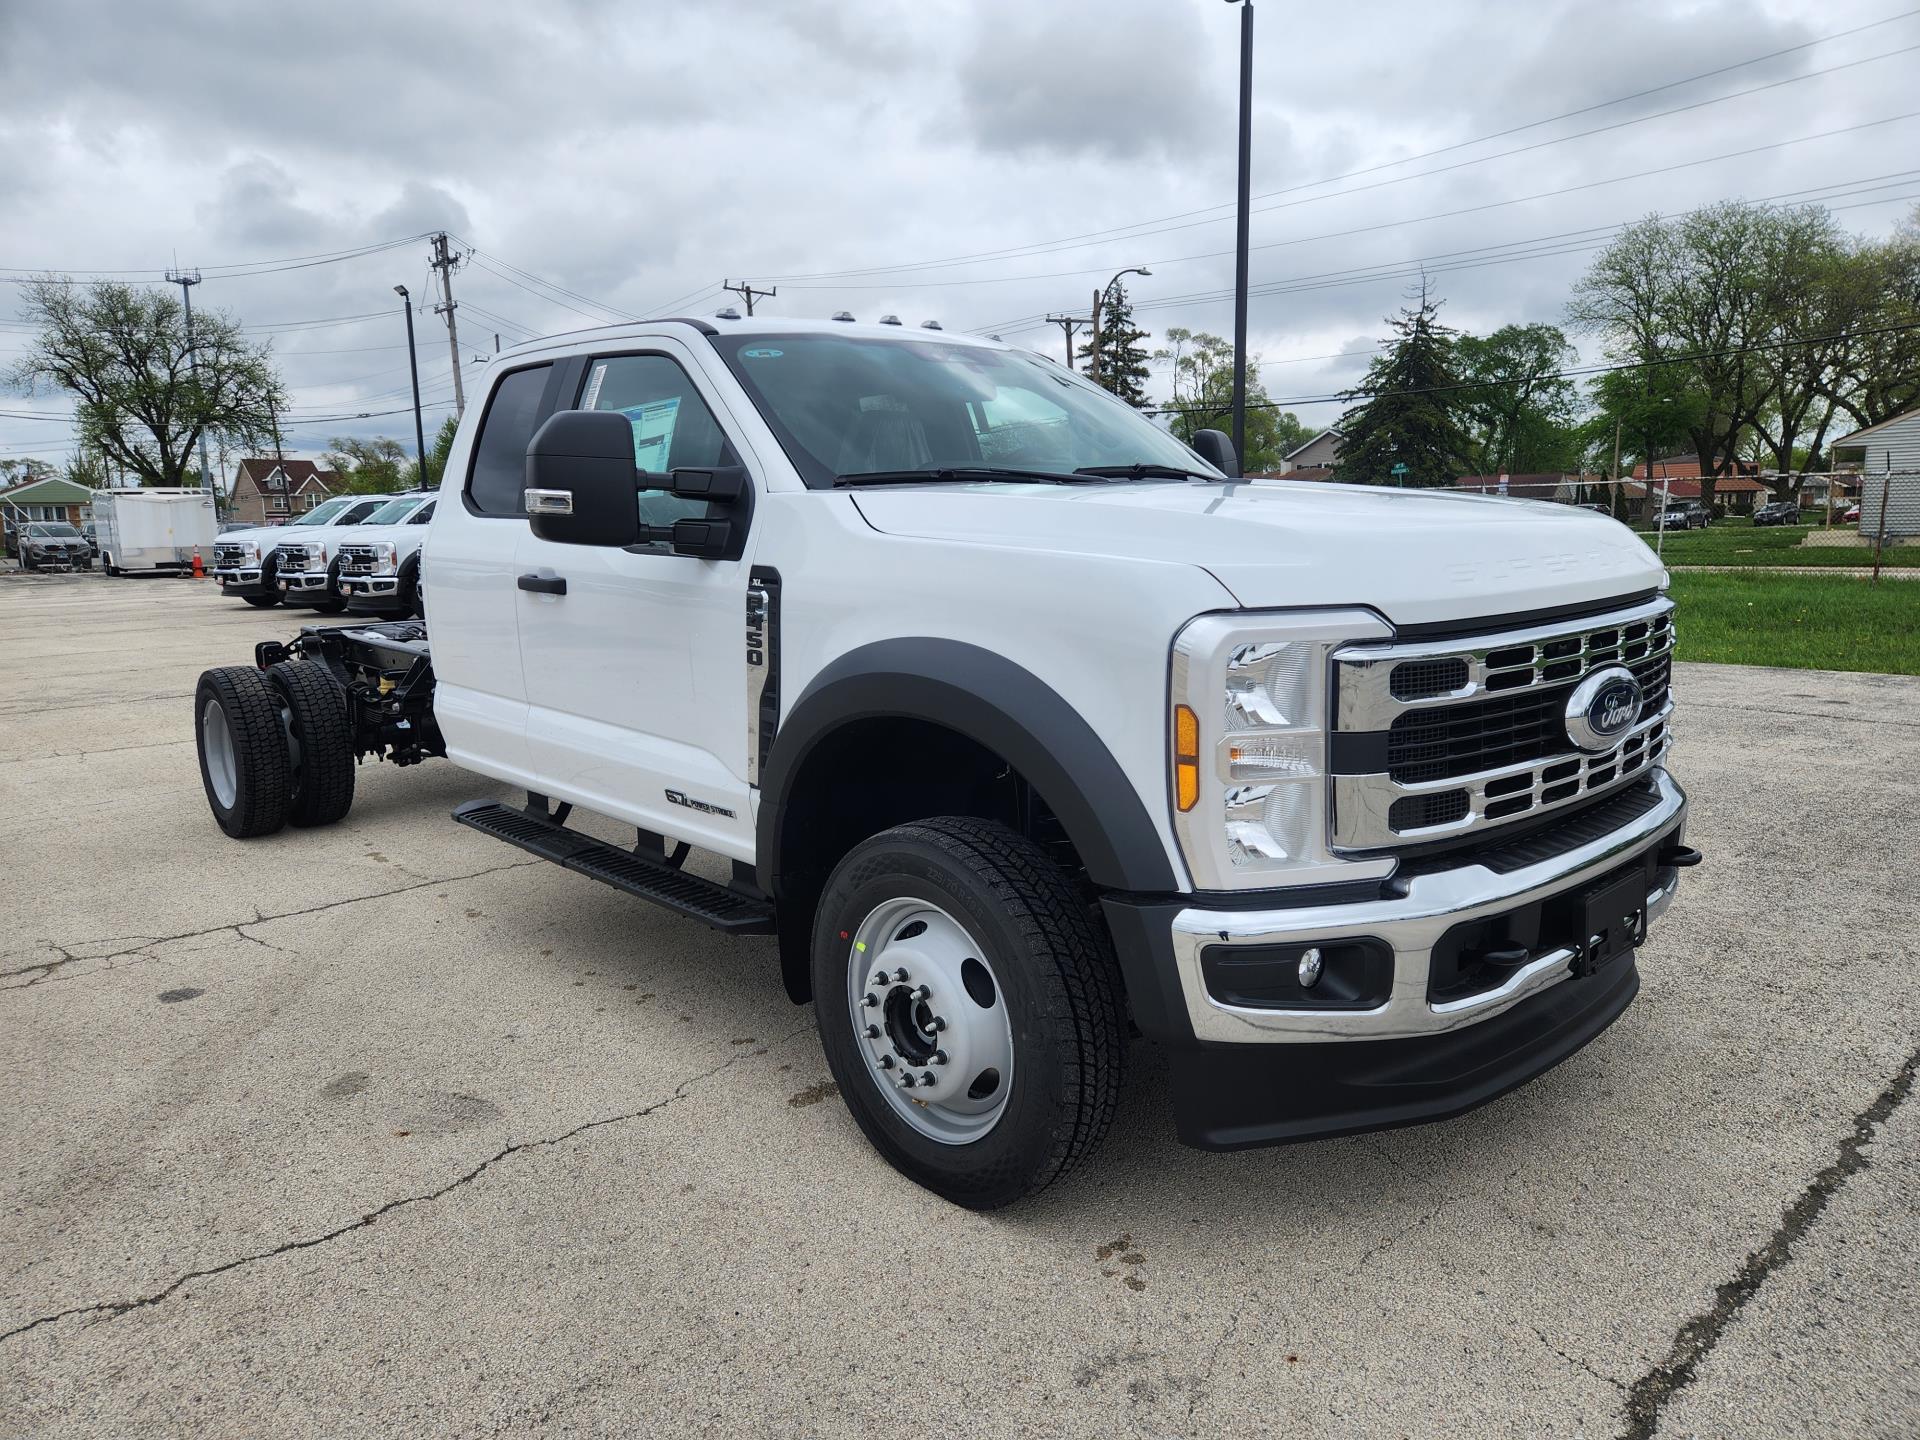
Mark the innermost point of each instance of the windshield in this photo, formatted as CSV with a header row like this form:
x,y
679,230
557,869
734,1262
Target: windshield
x,y
855,404
52,532
394,511
325,511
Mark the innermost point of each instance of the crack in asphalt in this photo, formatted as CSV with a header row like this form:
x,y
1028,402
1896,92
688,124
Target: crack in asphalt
x,y
1696,1339
1578,1363
238,927
113,1309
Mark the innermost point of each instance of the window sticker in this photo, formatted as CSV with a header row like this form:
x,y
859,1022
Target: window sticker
x,y
762,352
592,397
653,425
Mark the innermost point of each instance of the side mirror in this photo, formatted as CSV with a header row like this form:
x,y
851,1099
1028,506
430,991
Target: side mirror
x,y
1216,448
581,480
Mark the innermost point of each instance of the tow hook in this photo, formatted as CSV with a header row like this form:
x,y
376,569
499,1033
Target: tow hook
x,y
1681,857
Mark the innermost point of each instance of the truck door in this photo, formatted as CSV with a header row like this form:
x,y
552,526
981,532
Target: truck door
x,y
480,698
636,677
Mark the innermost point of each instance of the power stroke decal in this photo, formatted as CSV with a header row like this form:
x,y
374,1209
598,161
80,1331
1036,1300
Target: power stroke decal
x,y
680,797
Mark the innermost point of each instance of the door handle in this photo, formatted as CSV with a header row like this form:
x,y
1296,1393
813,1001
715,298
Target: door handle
x,y
544,584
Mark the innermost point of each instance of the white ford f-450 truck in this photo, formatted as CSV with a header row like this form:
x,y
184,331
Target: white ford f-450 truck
x,y
1025,728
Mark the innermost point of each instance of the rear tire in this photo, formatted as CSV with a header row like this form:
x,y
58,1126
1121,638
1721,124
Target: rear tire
x,y
243,750
261,602
320,775
957,885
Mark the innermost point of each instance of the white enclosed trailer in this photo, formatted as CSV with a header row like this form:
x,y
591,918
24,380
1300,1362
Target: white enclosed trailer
x,y
153,529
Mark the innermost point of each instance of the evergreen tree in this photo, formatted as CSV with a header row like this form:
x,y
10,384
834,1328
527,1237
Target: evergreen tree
x,y
1410,406
1123,359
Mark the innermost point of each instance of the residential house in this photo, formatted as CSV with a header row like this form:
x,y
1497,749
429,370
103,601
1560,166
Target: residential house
x,y
1887,456
1678,477
1547,485
1319,452
52,499
272,492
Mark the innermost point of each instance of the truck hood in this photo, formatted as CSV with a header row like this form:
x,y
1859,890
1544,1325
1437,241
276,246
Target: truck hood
x,y
1416,556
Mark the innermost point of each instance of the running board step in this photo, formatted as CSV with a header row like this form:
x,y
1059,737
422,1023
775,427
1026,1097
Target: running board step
x,y
691,895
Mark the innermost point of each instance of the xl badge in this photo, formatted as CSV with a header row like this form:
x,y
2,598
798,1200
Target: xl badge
x,y
1603,708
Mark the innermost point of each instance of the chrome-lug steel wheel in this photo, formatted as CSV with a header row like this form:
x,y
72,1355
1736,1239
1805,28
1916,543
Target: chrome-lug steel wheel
x,y
931,1019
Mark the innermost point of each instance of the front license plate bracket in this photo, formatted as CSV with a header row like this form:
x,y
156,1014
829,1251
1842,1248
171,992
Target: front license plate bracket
x,y
1614,924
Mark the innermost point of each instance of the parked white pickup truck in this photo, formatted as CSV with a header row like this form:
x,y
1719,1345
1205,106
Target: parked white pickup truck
x,y
307,564
380,562
243,560
1023,726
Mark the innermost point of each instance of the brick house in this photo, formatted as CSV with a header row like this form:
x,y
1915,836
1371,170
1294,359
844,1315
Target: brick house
x,y
1679,476
49,499
272,492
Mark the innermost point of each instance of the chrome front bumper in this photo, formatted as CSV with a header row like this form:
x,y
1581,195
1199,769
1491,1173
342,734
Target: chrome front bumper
x,y
303,580
370,584
1412,924
250,576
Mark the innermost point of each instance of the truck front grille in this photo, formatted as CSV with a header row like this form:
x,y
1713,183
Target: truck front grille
x,y
1442,739
357,559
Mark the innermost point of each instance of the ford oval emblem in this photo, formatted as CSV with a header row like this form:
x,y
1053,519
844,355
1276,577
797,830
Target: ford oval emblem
x,y
1602,708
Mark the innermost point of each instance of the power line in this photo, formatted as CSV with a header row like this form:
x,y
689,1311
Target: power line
x,y
1137,229
235,270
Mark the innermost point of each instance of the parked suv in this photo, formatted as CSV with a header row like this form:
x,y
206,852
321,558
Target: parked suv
x,y
1685,515
1777,512
1022,728
54,545
307,565
380,564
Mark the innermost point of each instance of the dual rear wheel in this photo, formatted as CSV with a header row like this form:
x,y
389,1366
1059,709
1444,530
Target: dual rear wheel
x,y
275,746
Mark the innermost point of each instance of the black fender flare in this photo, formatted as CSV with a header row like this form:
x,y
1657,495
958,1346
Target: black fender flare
x,y
991,700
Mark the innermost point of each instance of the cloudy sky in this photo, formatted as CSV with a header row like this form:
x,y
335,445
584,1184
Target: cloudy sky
x,y
983,162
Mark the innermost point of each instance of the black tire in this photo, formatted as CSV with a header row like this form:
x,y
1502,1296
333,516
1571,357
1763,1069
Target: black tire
x,y
333,600
106,564
320,780
409,589
261,602
254,767
1057,974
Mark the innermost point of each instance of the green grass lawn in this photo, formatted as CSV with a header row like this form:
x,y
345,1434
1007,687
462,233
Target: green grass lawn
x,y
1812,622
1741,542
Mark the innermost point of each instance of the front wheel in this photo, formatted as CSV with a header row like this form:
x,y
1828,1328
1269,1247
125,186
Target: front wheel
x,y
970,1011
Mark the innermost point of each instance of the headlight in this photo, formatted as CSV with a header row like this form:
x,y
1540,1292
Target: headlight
x,y
1249,747
386,558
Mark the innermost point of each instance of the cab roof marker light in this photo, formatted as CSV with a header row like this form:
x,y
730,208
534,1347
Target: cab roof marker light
x,y
931,325
845,316
726,313
889,319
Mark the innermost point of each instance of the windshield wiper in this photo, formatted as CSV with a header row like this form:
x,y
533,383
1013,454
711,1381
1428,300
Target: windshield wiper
x,y
949,473
1144,470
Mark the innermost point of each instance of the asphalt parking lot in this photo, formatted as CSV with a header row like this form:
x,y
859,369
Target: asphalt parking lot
x,y
391,1129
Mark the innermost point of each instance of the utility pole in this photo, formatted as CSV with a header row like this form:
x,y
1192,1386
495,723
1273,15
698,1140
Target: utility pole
x,y
747,293
446,264
273,414
1240,236
186,280
1068,324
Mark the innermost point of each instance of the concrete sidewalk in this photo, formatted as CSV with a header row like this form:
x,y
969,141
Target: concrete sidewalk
x,y
390,1129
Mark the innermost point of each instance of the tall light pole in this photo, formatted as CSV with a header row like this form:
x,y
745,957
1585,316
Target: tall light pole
x,y
1240,238
1100,299
413,363
186,280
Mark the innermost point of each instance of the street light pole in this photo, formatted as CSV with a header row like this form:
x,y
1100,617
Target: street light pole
x,y
1099,302
1240,238
413,364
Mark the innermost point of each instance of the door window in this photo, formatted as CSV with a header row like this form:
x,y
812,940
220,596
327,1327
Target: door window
x,y
672,426
498,479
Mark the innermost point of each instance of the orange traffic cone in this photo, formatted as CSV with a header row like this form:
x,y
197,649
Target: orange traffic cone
x,y
198,573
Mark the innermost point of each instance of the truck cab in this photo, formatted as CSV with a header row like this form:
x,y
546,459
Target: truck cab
x,y
1024,728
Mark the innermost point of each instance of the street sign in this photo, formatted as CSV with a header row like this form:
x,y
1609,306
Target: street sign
x,y
1399,467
